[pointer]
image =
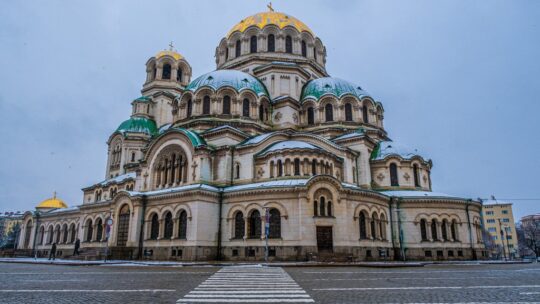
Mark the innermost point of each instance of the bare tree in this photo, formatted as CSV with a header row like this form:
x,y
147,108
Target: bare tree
x,y
530,238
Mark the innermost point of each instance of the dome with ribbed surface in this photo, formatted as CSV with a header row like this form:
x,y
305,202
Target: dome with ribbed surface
x,y
138,125
317,88
260,20
237,80
52,203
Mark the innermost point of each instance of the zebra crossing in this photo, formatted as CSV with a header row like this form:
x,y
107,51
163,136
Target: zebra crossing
x,y
248,284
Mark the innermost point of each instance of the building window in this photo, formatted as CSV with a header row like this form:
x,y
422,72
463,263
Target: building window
x,y
393,175
415,174
154,228
271,43
166,74
182,225
226,53
314,167
365,114
505,220
237,49
329,208
329,112
491,221
423,230
505,212
296,166
189,108
73,234
255,225
123,226
206,105
363,227
288,44
179,75
427,253
227,105
492,229
132,156
434,230
322,206
272,169
99,228
275,224
279,168
489,212
310,116
237,171
239,225
89,231
245,108
444,231
253,44
348,112
168,226
304,48
41,234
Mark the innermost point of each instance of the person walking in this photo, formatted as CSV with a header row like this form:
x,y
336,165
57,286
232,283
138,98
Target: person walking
x,y
52,254
77,246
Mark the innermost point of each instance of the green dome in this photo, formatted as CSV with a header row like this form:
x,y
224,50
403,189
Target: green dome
x,y
237,80
138,125
317,88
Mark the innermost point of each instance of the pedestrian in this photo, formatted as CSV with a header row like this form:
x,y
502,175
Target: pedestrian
x,y
77,246
52,254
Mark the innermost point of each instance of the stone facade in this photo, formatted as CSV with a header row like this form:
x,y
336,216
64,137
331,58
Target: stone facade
x,y
203,165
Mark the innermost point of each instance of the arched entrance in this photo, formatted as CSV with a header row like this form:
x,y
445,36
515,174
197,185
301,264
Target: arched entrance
x,y
123,226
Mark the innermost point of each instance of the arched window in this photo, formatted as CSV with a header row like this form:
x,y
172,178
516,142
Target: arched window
x,y
322,206
132,156
57,236
261,112
363,230
373,226
206,105
365,114
179,75
382,227
310,116
453,230
415,173
89,231
99,228
444,232
304,49
72,233
423,230
329,208
253,44
314,167
237,49
237,171
166,74
189,108
182,225
394,182
226,105
154,227
271,43
272,169
329,112
50,235
315,53
434,230
315,208
255,225
239,225
348,112
123,226
226,53
245,108
41,234
64,234
296,166
279,168
275,224
288,44
27,234
168,232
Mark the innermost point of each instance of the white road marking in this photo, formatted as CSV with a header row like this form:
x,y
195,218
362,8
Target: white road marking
x,y
529,293
236,284
428,287
87,290
390,278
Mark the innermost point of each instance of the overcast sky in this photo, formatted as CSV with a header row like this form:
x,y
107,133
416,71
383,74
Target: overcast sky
x,y
459,80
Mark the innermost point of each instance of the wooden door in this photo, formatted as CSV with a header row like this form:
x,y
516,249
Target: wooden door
x,y
325,242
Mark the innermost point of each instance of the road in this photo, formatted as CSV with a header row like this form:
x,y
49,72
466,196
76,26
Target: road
x,y
31,283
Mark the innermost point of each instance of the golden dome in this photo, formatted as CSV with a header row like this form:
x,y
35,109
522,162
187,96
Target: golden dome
x,y
52,203
265,18
173,54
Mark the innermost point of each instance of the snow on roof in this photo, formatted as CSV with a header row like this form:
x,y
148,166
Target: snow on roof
x,y
118,179
358,132
256,139
175,189
495,202
270,184
289,144
387,148
412,193
61,210
225,127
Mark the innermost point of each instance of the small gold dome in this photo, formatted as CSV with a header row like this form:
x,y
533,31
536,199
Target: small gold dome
x,y
265,18
52,203
171,53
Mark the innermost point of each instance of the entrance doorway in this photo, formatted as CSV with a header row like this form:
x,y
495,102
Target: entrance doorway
x,y
325,242
123,226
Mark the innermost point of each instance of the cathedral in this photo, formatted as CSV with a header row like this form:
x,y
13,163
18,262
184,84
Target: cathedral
x,y
267,151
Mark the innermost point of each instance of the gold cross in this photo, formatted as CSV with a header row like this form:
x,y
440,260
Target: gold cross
x,y
171,46
54,194
270,7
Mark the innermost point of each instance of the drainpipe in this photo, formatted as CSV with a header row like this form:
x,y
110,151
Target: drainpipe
x,y
400,231
391,202
470,230
356,171
141,234
218,251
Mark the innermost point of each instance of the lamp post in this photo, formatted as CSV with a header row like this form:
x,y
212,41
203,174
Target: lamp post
x,y
502,239
266,232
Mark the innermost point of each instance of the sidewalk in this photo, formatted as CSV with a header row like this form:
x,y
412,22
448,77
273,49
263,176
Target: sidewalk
x,y
272,264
